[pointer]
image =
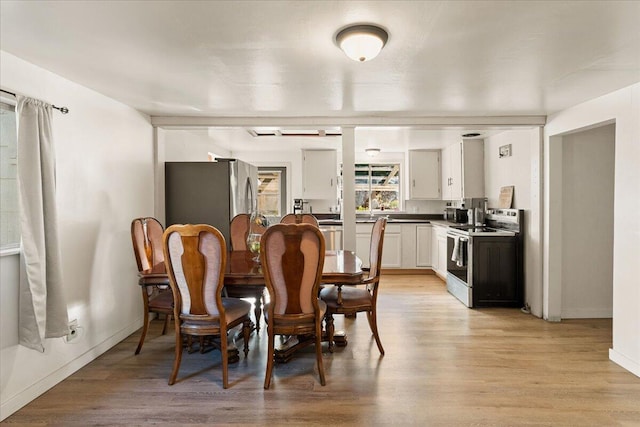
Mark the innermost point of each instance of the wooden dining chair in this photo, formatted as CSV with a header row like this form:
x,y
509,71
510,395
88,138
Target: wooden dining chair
x,y
350,300
195,257
300,219
146,235
239,231
292,260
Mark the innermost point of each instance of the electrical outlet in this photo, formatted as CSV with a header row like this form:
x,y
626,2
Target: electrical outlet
x,y
73,330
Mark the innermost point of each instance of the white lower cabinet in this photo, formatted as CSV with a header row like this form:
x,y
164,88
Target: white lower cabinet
x,y
363,239
392,250
406,246
439,251
423,245
392,245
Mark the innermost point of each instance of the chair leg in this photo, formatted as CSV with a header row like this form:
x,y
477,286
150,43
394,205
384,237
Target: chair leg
x,y
330,330
270,355
167,320
225,358
319,351
178,358
373,324
145,326
246,334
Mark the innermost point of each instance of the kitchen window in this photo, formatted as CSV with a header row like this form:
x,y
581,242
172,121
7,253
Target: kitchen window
x,y
377,187
9,213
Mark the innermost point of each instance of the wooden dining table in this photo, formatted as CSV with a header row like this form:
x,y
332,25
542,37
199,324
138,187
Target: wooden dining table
x,y
340,268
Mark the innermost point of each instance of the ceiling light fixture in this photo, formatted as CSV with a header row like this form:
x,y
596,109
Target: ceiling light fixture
x,y
372,152
362,42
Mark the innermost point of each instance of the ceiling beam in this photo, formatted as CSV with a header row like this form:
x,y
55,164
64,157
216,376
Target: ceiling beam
x,y
428,122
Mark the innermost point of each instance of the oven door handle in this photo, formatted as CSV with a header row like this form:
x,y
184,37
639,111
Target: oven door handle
x,y
454,236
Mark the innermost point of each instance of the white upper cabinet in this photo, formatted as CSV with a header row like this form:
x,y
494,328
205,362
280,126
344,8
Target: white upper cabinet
x,y
320,172
463,170
424,174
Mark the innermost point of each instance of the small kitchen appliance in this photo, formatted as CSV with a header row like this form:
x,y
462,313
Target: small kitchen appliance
x,y
456,215
298,206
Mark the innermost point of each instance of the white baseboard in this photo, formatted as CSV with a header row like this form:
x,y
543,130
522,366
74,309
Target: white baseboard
x,y
587,313
624,362
24,397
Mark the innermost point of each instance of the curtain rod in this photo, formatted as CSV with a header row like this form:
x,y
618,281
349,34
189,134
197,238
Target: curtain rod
x,y
63,110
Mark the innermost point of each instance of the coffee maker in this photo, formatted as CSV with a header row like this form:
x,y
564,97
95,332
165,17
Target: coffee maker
x,y
298,206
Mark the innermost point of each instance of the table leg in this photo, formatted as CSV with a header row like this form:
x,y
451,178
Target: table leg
x,y
340,338
285,351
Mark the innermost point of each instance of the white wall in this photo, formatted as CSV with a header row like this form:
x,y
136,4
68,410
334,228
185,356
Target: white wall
x,y
623,108
514,170
587,225
522,170
188,146
104,180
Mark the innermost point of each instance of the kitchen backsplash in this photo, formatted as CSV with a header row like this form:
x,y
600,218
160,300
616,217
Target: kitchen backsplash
x,y
410,206
425,206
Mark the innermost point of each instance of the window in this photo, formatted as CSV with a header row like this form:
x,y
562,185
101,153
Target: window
x,y
272,191
9,215
377,187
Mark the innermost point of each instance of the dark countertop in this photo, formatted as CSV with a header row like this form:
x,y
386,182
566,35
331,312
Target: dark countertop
x,y
393,218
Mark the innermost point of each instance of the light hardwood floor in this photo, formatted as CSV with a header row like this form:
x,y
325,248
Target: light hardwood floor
x,y
445,365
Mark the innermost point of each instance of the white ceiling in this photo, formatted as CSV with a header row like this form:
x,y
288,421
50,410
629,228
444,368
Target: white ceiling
x,y
277,59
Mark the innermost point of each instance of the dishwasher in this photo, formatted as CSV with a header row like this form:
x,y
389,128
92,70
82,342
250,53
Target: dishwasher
x,y
332,237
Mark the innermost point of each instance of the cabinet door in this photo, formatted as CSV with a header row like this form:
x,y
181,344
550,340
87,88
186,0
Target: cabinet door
x,y
495,280
442,255
408,257
424,174
455,165
362,248
434,248
363,242
320,174
445,166
423,246
392,249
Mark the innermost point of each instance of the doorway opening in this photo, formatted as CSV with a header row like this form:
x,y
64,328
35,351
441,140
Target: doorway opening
x,y
582,171
272,192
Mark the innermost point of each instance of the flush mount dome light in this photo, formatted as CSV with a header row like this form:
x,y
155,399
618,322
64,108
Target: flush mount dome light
x,y
372,152
362,42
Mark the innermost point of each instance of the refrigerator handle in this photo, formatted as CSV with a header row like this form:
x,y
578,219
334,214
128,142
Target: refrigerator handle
x,y
249,195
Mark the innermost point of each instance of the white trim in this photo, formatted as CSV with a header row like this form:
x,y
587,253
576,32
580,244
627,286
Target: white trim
x,y
368,121
10,250
587,313
624,362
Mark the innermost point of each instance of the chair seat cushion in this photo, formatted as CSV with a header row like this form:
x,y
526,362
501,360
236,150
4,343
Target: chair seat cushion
x,y
352,297
163,301
235,308
322,306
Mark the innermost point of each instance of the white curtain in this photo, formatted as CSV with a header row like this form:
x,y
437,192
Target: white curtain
x,y
43,308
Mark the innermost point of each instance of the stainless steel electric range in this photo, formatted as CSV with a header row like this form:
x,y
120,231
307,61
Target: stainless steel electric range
x,y
485,263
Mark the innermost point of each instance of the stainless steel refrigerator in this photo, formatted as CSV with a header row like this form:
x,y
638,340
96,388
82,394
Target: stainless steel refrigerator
x,y
209,192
